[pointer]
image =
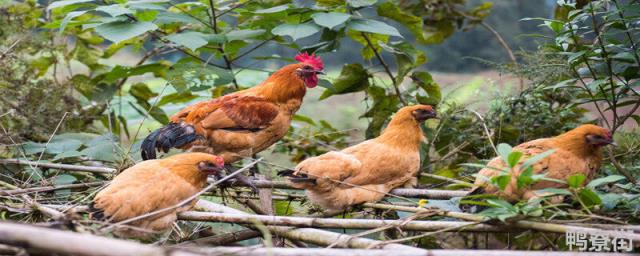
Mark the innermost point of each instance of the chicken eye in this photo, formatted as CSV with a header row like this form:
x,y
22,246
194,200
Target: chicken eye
x,y
307,67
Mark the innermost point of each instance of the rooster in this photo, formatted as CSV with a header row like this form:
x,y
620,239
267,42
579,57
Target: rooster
x,y
154,185
366,172
243,123
578,151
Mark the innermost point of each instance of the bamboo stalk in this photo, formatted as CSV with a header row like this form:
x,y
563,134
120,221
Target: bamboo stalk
x,y
69,167
49,188
405,192
524,224
55,241
248,251
336,223
49,241
310,235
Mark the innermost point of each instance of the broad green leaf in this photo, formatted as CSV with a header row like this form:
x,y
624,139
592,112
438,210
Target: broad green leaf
x,y
68,18
196,77
576,180
122,30
425,81
141,91
330,20
67,154
373,26
589,198
605,180
353,78
191,40
64,179
514,157
114,10
57,4
244,34
274,9
500,203
534,159
361,3
553,191
172,17
501,181
610,200
504,150
175,98
411,22
296,31
524,179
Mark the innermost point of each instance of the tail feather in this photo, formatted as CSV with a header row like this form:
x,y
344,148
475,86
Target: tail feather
x,y
473,208
95,213
170,136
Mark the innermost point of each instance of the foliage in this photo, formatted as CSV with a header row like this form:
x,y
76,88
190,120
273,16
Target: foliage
x,y
598,43
26,94
514,119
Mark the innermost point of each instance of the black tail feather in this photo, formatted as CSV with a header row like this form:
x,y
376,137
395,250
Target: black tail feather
x,y
473,208
170,136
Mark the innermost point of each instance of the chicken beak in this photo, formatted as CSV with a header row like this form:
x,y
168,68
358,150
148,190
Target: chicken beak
x,y
613,143
320,72
211,169
423,116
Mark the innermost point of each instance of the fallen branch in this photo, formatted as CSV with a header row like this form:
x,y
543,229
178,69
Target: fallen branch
x,y
309,235
336,223
405,192
55,241
50,188
523,224
51,241
69,167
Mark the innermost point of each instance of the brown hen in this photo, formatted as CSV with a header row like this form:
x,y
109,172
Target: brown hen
x,y
366,172
578,151
153,185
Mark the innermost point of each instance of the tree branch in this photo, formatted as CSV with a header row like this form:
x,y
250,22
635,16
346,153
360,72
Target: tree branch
x,y
394,80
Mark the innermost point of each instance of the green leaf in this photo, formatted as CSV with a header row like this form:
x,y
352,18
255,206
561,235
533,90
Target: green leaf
x,y
58,4
70,16
295,31
64,179
501,181
534,159
172,17
589,198
373,26
191,40
605,180
244,34
524,179
576,180
425,81
553,191
176,98
330,20
67,154
353,78
122,30
500,203
274,9
504,150
114,10
411,22
514,157
196,77
361,3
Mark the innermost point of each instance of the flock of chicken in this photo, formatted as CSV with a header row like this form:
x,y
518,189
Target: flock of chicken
x,y
221,131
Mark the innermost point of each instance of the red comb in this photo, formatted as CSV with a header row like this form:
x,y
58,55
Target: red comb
x,y
312,60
